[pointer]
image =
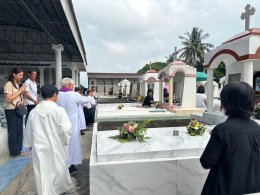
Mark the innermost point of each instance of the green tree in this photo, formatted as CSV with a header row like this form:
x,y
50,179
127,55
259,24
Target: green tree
x,y
219,72
194,46
155,66
199,66
169,58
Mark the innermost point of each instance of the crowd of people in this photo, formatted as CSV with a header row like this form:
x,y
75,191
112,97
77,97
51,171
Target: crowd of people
x,y
53,127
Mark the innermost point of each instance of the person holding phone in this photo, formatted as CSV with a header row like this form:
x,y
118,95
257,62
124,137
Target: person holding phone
x,y
13,96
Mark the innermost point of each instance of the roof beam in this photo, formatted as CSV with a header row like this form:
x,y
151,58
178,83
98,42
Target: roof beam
x,y
37,20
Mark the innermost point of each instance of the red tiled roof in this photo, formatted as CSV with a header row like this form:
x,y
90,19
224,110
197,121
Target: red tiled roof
x,y
151,71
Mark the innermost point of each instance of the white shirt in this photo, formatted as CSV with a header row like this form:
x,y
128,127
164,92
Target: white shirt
x,y
31,88
91,103
200,101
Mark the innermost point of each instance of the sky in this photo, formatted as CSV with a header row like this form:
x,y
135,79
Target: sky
x,y
124,35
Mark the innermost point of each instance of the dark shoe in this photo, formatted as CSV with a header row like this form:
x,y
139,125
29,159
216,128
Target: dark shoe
x,y
82,133
73,169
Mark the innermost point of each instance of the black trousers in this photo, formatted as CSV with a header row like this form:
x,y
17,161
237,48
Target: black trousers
x,y
15,132
29,109
89,115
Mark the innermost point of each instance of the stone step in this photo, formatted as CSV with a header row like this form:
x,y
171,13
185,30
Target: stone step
x,y
13,174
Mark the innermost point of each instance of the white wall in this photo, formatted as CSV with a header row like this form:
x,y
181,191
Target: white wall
x,y
189,93
84,79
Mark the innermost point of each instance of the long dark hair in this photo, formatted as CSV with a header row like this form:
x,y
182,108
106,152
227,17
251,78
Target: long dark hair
x,y
11,75
201,89
149,91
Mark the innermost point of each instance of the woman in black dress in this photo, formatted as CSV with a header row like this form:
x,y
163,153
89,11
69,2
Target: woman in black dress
x,y
233,151
148,100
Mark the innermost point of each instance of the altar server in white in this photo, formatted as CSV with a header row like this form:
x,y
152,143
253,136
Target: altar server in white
x,y
82,122
70,101
48,131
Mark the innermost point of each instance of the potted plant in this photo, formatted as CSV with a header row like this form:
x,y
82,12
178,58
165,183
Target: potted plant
x,y
257,111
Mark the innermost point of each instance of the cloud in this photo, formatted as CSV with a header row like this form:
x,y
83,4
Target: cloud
x,y
123,35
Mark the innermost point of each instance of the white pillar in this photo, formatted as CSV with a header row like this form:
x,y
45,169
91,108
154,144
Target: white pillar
x,y
76,78
160,91
50,76
248,71
171,91
73,76
210,89
58,49
41,76
145,88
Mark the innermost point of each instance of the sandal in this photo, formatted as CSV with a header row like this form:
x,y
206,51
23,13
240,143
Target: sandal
x,y
23,154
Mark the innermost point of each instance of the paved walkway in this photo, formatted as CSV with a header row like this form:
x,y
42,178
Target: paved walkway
x,y
81,179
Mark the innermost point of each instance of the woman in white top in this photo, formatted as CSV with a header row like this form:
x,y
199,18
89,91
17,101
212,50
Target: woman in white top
x,y
201,98
89,109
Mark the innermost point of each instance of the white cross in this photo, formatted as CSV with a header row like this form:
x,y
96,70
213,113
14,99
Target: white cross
x,y
249,11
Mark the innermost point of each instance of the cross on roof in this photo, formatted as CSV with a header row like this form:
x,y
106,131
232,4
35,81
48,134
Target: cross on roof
x,y
249,11
175,53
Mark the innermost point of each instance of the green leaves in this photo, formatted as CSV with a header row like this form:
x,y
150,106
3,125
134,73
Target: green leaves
x,y
155,66
193,46
219,72
196,128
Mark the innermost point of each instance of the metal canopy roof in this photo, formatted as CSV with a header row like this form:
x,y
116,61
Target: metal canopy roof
x,y
29,27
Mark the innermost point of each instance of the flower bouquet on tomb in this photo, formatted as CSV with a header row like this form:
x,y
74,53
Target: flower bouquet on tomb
x,y
120,106
140,99
156,105
132,131
196,128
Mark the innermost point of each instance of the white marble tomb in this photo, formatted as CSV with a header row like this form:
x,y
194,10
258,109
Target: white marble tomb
x,y
164,165
110,112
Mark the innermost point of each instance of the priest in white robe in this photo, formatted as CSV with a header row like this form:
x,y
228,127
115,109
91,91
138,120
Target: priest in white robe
x,y
48,131
82,122
70,101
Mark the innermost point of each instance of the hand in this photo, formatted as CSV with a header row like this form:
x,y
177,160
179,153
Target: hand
x,y
36,102
22,88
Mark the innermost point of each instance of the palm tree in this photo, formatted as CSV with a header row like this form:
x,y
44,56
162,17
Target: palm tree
x,y
193,46
169,58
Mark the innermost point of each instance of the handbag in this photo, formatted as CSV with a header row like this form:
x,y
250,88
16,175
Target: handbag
x,y
20,109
